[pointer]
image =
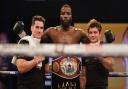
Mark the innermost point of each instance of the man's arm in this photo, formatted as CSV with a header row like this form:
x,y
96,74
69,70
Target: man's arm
x,y
83,74
108,63
83,78
85,38
25,66
45,38
48,68
15,57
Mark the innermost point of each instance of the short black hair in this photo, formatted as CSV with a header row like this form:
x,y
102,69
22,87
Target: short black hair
x,y
66,6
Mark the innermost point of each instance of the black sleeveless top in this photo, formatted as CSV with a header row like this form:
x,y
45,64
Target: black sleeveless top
x,y
33,79
96,73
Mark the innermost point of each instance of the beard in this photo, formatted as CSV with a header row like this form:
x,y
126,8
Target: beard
x,y
65,24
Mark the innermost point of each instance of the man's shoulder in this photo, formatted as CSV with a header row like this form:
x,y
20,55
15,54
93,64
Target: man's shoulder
x,y
25,39
28,40
78,29
52,28
48,30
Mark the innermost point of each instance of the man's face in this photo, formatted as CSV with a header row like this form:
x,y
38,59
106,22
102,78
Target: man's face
x,y
65,16
94,35
37,29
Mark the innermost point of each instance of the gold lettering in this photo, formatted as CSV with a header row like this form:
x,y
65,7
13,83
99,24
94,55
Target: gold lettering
x,y
74,83
71,84
63,85
58,85
67,84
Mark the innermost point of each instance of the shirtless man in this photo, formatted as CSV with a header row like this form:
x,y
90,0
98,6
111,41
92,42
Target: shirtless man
x,y
65,70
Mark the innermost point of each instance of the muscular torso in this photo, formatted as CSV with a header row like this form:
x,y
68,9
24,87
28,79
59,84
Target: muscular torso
x,y
71,36
62,75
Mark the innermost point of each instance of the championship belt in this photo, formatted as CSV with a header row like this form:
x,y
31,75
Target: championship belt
x,y
67,67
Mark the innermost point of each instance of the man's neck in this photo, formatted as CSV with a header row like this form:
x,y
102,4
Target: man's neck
x,y
96,43
64,28
35,39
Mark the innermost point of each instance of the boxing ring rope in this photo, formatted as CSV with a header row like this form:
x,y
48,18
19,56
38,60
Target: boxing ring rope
x,y
64,49
111,74
118,74
9,72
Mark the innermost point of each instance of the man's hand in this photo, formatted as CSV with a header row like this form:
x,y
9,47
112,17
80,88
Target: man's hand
x,y
108,63
39,58
48,68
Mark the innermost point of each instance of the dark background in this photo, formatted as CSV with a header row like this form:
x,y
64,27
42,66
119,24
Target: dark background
x,y
108,11
105,11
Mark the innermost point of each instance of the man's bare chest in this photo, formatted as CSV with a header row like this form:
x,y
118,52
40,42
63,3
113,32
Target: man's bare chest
x,y
65,37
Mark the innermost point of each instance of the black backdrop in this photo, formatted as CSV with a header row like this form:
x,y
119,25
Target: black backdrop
x,y
115,11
